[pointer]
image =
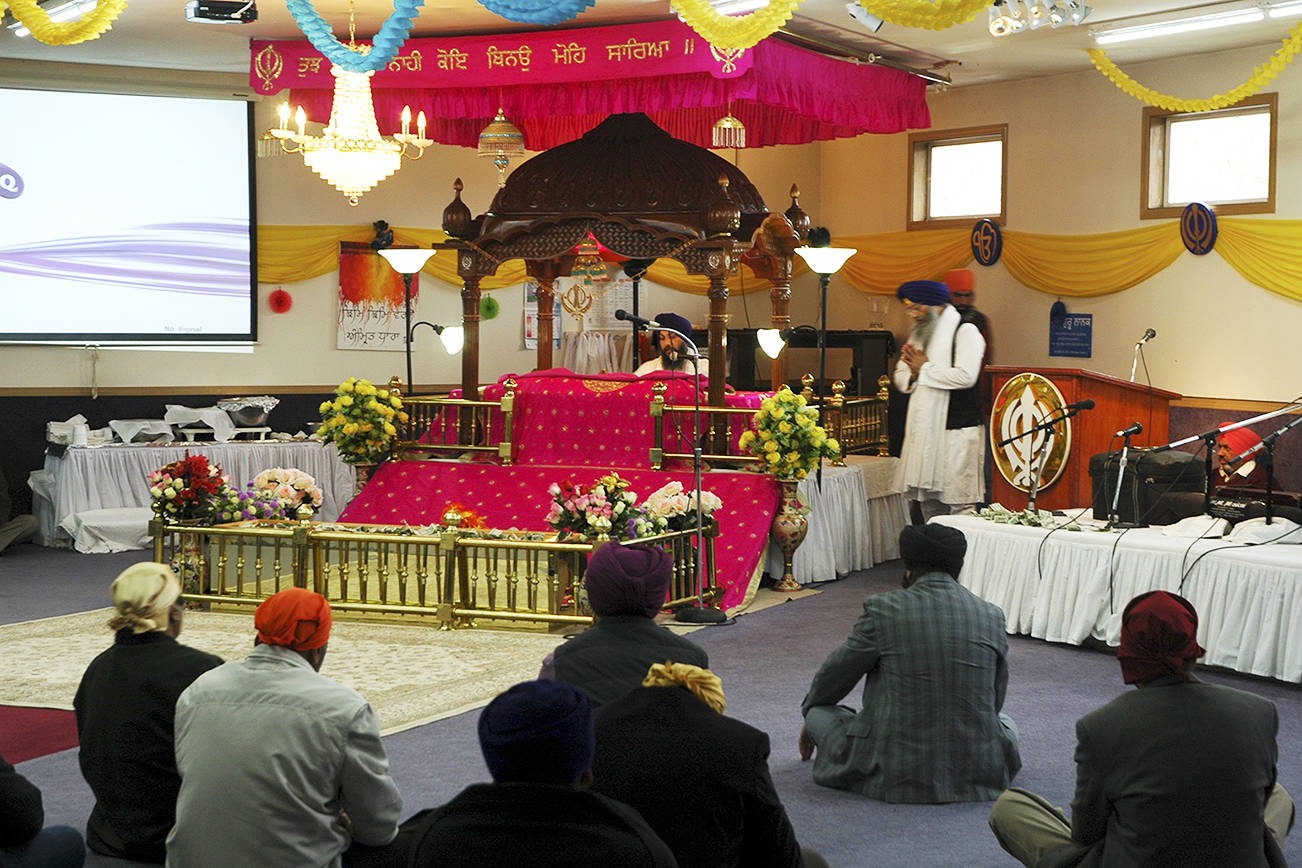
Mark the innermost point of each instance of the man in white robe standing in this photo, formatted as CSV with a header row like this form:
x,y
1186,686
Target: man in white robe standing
x,y
941,461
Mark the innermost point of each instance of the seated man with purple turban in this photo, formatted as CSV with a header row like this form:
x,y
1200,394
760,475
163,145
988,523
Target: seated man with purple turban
x,y
670,349
933,658
538,740
627,586
942,458
1177,772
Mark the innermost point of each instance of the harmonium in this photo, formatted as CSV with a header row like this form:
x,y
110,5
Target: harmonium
x,y
1236,504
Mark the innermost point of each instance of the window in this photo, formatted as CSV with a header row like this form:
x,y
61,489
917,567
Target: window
x,y
957,176
1223,158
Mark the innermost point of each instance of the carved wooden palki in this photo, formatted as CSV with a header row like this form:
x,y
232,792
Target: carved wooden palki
x,y
644,195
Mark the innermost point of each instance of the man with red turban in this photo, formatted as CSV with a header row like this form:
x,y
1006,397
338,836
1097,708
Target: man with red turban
x,y
1176,773
1232,472
280,765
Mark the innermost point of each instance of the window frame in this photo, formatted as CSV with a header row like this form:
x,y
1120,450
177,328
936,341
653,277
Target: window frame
x,y
920,145
1154,149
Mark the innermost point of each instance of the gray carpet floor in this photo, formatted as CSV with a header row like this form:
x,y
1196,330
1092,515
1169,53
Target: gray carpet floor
x,y
766,661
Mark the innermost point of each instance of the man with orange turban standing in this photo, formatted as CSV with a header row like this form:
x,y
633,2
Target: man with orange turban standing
x,y
280,765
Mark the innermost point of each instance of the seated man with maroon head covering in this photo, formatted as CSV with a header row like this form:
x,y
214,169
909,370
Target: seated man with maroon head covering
x,y
1176,773
280,765
538,740
627,586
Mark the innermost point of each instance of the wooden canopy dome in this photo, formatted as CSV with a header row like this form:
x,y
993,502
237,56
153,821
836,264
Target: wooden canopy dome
x,y
640,192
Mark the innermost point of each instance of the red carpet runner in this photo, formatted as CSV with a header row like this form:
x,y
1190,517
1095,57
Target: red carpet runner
x,y
418,493
27,733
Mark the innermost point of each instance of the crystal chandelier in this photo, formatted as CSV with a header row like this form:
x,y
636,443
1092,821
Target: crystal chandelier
x,y
350,154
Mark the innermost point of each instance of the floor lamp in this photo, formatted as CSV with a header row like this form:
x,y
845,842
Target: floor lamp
x,y
407,261
823,261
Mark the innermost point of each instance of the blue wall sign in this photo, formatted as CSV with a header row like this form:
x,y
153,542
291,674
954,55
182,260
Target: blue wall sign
x,y
1072,336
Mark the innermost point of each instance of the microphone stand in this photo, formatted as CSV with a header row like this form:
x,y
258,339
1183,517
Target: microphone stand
x,y
1268,462
1042,453
700,614
1134,360
1114,518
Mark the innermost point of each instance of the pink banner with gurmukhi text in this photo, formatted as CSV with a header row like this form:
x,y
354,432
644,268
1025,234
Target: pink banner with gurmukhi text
x,y
656,48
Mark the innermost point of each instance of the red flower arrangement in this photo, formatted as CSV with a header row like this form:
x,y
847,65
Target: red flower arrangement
x,y
187,489
470,519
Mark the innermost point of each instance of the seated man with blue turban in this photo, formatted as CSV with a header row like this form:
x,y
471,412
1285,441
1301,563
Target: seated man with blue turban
x,y
672,351
538,742
939,368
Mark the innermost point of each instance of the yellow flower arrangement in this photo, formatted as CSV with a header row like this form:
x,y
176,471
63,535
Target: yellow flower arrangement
x,y
786,437
359,420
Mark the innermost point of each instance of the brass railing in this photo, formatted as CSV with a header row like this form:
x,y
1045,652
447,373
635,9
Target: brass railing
x,y
425,431
449,575
857,423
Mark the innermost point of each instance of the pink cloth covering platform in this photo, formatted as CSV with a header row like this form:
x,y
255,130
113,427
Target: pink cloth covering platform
x,y
418,493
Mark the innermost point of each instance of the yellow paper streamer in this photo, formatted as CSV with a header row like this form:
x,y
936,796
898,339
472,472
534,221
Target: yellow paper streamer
x,y
1282,57
743,31
90,26
940,15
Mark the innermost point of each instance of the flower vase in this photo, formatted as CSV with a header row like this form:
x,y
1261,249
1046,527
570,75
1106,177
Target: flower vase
x,y
789,529
189,561
364,469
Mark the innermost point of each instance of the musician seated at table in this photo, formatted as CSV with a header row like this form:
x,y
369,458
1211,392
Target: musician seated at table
x,y
1229,473
671,349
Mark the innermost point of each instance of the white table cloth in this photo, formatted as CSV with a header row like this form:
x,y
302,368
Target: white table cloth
x,y
1066,586
851,525
112,476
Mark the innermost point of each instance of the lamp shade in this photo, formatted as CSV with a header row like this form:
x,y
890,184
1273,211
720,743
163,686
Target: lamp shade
x,y
407,260
453,338
826,260
770,341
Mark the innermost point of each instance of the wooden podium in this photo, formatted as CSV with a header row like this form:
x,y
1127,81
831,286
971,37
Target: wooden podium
x,y
1117,404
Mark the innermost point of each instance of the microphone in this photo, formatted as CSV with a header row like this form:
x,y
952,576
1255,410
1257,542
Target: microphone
x,y
1149,334
1136,428
634,318
1087,404
1268,440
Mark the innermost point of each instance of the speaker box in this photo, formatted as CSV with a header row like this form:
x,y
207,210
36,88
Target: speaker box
x,y
1147,477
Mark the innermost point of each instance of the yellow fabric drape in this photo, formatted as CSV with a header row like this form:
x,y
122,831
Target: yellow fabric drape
x,y
1089,265
1267,253
886,260
672,273
287,254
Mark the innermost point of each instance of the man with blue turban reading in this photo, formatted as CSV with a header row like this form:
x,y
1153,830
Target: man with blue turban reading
x,y
942,457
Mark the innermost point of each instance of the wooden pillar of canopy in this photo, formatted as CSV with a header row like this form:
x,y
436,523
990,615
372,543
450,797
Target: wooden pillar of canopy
x,y
546,271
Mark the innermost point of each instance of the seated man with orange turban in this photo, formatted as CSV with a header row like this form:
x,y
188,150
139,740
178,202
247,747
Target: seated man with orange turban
x,y
1231,472
280,765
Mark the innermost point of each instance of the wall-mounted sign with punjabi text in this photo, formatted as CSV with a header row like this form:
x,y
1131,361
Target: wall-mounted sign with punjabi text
x,y
656,48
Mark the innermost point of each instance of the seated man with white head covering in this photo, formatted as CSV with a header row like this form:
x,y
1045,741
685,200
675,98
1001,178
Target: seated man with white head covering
x,y
670,349
125,706
942,457
627,586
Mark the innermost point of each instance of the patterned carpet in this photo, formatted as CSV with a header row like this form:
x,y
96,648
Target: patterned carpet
x,y
411,675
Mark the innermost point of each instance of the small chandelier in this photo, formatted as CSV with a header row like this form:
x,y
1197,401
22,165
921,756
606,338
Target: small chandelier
x,y
350,154
501,140
729,132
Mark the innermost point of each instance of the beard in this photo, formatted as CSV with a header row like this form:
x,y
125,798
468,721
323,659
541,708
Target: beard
x,y
923,328
670,360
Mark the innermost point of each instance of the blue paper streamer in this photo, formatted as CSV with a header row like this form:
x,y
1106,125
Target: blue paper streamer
x,y
386,44
525,12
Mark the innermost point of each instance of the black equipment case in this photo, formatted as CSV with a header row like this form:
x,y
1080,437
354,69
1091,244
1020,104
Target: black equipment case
x,y
1148,476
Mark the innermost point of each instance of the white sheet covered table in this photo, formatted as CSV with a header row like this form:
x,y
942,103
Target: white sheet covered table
x,y
852,525
1066,586
113,476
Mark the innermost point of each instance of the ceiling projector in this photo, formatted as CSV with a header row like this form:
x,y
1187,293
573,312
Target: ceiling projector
x,y
221,11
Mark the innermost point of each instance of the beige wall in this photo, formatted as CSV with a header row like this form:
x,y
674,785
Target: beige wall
x,y
1074,151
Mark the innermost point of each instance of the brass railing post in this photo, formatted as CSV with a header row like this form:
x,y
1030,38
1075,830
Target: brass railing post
x,y
658,390
836,409
504,449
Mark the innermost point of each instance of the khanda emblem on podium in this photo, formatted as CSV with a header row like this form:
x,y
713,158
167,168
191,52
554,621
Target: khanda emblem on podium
x,y
1025,401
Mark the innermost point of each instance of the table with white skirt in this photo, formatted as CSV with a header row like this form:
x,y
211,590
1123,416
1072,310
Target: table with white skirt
x,y
1067,586
97,498
854,521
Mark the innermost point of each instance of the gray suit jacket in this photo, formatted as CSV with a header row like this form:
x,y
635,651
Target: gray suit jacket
x,y
935,660
1176,773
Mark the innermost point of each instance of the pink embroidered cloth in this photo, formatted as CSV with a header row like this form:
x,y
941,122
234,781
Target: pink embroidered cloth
x,y
418,493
